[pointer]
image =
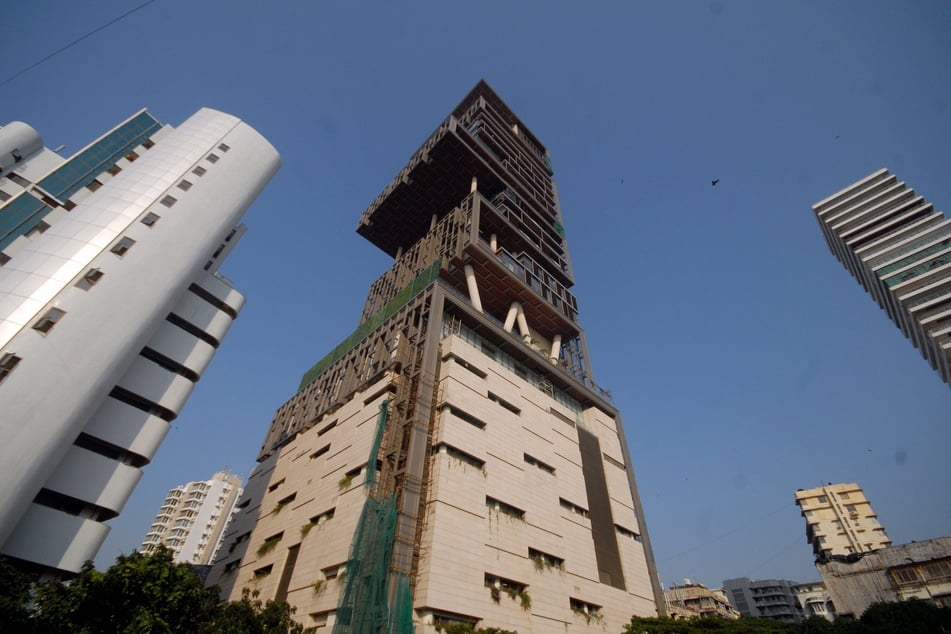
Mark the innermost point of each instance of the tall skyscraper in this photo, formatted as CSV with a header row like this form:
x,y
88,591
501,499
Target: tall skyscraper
x,y
111,308
899,249
193,518
840,521
452,461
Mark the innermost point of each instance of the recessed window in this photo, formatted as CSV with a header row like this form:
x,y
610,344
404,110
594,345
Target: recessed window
x,y
150,219
4,196
131,156
115,169
8,361
19,180
88,280
168,201
184,185
122,246
93,185
47,321
224,147
199,171
823,499
212,158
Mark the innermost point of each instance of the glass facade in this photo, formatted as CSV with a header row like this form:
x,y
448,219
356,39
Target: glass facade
x,y
19,216
81,169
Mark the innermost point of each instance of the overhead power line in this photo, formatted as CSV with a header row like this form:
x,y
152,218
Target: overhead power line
x,y
74,42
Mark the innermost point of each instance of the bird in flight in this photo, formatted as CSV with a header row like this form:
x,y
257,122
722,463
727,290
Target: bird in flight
x,y
714,182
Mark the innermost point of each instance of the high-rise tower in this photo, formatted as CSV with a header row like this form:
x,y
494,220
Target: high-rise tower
x,y
192,520
111,308
452,460
840,521
898,247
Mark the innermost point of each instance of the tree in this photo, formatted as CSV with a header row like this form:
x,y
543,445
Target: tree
x,y
913,615
138,594
14,598
250,616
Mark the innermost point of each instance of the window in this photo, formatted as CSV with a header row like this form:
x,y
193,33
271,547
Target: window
x,y
224,147
88,280
8,361
93,185
535,462
844,496
274,486
168,201
212,158
938,569
320,452
115,169
574,508
504,403
46,323
851,508
19,180
502,507
263,572
131,156
199,171
905,575
185,185
122,246
4,196
150,219
823,499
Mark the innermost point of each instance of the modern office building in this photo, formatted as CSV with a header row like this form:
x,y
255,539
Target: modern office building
x,y
111,308
452,461
695,600
774,599
840,521
899,249
193,518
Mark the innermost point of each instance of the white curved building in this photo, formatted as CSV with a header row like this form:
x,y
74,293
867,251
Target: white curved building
x,y
111,308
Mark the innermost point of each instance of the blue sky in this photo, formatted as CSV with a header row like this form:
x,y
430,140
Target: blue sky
x,y
745,360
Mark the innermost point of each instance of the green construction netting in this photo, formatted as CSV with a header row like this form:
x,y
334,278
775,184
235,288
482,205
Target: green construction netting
x,y
422,281
364,608
375,449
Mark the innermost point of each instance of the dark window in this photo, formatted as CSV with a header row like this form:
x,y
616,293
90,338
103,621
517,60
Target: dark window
x,y
150,219
8,361
47,321
212,158
122,246
88,280
199,171
168,201
184,185
224,147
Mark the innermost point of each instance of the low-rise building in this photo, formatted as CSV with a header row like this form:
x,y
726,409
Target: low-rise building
x,y
815,600
692,600
919,570
840,521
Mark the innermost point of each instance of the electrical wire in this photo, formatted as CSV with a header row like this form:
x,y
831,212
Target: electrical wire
x,y
74,42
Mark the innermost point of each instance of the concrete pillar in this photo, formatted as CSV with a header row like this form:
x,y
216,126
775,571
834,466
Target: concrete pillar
x,y
432,223
473,288
475,185
514,310
523,324
555,349
493,243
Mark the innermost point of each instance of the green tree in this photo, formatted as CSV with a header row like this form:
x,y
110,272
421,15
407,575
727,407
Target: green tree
x,y
138,594
657,625
251,616
913,615
14,598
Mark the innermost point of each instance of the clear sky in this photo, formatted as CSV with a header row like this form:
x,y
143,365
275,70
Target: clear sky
x,y
745,360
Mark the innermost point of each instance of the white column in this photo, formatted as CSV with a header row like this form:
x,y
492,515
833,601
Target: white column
x,y
432,223
475,185
493,243
523,324
555,349
473,288
514,310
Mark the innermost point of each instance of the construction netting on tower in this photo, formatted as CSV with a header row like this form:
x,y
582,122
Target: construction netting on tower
x,y
364,606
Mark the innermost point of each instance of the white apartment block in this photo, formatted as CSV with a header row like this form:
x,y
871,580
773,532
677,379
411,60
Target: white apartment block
x,y
452,461
193,518
111,308
898,247
840,521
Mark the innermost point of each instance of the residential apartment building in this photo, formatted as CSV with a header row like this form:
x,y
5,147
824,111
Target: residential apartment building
x,y
695,600
452,461
193,518
840,521
111,301
898,247
919,570
774,599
